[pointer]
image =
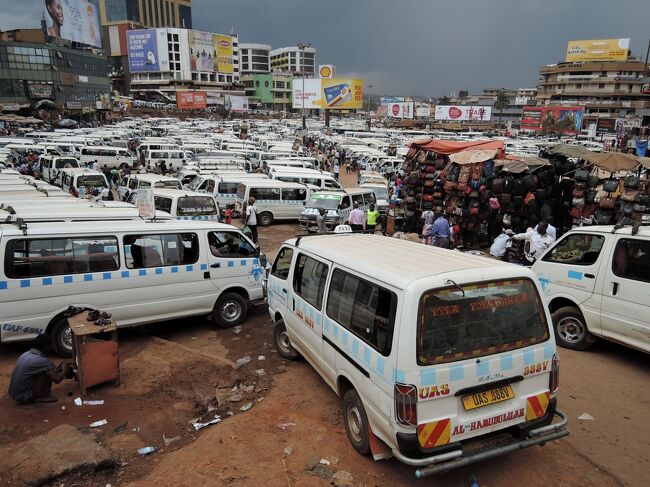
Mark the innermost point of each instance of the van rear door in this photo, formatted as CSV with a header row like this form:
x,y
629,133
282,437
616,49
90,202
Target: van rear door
x,y
484,353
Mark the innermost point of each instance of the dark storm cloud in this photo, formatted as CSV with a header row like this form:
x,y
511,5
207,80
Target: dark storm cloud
x,y
425,47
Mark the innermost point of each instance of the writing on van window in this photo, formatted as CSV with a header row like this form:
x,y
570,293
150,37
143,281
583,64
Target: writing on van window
x,y
309,280
196,205
364,308
445,310
53,257
488,304
142,251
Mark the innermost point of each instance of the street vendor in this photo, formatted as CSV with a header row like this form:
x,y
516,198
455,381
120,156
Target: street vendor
x,y
32,377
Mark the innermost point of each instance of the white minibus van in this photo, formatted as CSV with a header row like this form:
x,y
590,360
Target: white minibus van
x,y
134,182
107,156
274,200
222,185
81,182
51,165
174,159
312,177
441,359
140,273
337,206
186,205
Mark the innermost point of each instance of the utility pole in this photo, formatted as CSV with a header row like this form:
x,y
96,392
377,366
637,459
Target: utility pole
x,y
647,52
302,46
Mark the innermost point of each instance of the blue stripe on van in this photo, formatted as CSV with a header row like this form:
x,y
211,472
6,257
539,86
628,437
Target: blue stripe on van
x,y
355,347
456,372
506,362
483,367
529,357
380,365
548,351
575,275
3,285
428,376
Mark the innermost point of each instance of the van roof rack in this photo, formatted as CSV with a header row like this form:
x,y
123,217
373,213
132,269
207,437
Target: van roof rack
x,y
636,225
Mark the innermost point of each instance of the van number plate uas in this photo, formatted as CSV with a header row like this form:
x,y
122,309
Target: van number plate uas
x,y
481,399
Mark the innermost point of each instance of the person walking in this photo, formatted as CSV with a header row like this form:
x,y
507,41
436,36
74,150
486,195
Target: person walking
x,y
337,169
440,231
251,219
357,218
372,215
428,217
320,220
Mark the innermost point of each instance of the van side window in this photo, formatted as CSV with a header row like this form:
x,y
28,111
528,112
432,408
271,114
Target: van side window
x,y
229,244
282,264
162,204
55,257
143,251
312,181
370,198
330,183
632,259
309,280
133,184
358,199
364,308
227,188
294,194
576,249
265,193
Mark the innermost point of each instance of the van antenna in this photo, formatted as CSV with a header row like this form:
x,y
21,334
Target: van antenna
x,y
449,281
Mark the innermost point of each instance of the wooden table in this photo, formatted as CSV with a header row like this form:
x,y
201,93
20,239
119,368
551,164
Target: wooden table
x,y
95,352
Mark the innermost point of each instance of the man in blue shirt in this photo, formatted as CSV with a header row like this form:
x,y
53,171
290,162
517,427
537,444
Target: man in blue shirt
x,y
32,377
440,231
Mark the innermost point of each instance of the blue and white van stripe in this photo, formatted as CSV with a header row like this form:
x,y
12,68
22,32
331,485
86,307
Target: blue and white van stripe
x,y
214,217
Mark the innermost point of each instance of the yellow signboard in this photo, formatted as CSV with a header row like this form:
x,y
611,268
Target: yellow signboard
x,y
341,93
223,57
597,50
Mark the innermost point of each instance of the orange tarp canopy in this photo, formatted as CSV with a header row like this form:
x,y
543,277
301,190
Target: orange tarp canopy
x,y
447,147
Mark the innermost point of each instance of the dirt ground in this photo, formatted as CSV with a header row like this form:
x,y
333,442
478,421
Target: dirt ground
x,y
175,372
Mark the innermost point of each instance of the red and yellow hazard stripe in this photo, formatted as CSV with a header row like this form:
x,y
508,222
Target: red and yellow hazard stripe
x,y
435,433
536,405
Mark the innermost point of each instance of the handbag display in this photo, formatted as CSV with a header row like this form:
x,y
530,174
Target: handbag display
x,y
581,175
506,198
421,158
632,182
607,202
629,194
576,213
604,216
592,181
610,185
496,185
590,196
578,202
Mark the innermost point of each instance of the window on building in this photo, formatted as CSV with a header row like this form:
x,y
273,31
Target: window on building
x,y
601,86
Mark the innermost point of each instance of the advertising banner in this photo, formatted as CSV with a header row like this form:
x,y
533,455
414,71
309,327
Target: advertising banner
x,y
74,20
327,71
606,126
147,50
645,88
423,110
236,103
597,50
385,100
459,113
201,51
223,59
400,110
341,94
311,96
532,118
191,100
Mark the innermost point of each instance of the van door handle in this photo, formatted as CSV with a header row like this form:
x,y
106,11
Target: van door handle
x,y
284,291
293,305
614,288
216,265
590,276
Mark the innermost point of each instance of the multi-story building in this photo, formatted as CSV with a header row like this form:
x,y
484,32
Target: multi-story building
x,y
192,61
301,62
34,74
606,89
270,91
254,58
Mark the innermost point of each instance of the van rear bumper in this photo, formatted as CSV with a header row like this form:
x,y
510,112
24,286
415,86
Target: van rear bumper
x,y
461,454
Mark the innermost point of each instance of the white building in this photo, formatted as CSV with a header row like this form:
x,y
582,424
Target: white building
x,y
294,60
254,58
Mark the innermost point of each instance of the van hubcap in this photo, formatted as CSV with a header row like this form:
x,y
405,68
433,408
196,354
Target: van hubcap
x,y
571,330
285,343
231,311
66,337
354,420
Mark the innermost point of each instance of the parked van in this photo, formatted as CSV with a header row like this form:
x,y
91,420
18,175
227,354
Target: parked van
x,y
71,213
430,350
81,181
597,285
274,200
338,205
305,176
174,159
141,273
51,165
381,195
186,205
290,164
134,182
223,186
186,176
107,156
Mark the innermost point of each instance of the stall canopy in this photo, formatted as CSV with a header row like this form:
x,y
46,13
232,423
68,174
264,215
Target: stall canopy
x,y
533,162
645,162
612,161
569,150
447,147
473,156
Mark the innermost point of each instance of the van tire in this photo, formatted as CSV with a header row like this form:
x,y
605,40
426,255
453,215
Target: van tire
x,y
571,329
356,422
62,338
231,310
282,342
265,219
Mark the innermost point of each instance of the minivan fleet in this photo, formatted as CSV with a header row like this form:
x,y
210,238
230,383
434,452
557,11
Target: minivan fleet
x,y
441,359
274,200
141,273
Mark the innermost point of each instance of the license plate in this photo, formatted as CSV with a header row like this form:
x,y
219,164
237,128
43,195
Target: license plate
x,y
481,399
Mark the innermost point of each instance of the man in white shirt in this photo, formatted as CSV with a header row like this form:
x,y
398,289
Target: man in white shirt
x,y
500,244
537,241
551,230
251,219
336,169
357,219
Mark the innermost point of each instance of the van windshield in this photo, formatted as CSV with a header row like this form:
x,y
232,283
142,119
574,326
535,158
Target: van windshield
x,y
196,183
93,181
481,319
196,205
327,201
66,162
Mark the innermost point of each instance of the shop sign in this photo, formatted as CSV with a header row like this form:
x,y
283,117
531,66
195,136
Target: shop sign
x,y
39,91
73,105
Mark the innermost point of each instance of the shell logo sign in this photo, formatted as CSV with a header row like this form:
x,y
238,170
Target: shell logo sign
x,y
327,71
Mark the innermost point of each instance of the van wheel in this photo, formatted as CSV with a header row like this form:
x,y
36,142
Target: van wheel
x,y
62,338
283,343
265,219
571,330
356,422
231,310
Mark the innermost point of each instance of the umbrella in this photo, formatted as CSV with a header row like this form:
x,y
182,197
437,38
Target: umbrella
x,y
512,166
473,156
67,122
612,161
46,103
644,161
569,150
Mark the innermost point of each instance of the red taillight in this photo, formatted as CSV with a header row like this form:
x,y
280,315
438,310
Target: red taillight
x,y
406,404
554,379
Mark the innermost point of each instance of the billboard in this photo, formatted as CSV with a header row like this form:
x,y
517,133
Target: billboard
x,y
458,113
645,88
236,103
385,100
311,97
597,50
327,71
74,20
606,126
202,53
191,100
147,50
341,93
400,110
423,110
223,50
532,117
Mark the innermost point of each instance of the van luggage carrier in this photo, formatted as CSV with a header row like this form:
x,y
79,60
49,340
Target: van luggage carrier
x,y
494,447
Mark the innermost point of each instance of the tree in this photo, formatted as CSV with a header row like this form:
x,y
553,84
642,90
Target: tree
x,y
444,100
501,102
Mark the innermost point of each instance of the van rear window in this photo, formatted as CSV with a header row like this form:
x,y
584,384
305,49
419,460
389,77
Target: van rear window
x,y
196,205
458,323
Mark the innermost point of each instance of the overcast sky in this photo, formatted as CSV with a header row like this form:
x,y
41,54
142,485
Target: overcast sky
x,y
415,47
